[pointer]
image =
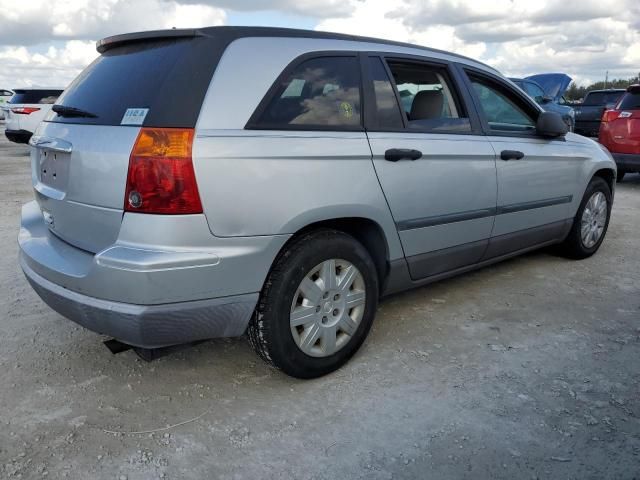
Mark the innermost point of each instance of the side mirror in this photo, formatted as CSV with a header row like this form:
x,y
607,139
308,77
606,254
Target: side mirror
x,y
547,99
551,125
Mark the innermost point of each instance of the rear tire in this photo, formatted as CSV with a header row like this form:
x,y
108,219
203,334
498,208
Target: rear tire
x,y
317,305
591,221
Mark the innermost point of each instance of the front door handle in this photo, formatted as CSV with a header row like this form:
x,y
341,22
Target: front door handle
x,y
511,155
395,154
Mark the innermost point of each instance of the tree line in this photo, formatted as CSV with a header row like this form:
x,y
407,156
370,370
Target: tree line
x,y
575,92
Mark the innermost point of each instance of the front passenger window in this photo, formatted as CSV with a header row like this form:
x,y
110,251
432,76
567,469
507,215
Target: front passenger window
x,y
501,112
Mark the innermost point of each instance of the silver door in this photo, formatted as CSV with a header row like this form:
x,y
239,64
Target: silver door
x,y
444,202
539,187
537,177
440,186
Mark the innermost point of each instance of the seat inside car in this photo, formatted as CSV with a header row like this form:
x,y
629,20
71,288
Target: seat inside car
x,y
426,105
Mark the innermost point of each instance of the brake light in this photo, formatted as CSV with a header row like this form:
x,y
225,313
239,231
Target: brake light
x,y
609,115
24,110
161,178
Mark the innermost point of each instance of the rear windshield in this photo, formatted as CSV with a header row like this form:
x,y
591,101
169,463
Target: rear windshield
x,y
35,96
631,101
156,83
602,98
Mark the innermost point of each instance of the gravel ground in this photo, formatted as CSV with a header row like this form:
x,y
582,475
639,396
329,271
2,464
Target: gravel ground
x,y
527,369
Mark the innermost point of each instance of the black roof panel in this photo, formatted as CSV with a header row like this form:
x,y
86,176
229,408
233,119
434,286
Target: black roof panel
x,y
227,34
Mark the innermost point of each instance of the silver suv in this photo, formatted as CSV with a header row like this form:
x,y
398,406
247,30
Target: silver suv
x,y
207,183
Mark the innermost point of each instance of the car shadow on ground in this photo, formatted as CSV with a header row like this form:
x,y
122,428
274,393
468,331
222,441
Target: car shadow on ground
x,y
229,354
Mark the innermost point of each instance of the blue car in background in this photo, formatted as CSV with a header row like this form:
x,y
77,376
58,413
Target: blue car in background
x,y
547,89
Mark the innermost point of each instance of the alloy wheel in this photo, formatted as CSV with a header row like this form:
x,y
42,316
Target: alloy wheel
x,y
594,219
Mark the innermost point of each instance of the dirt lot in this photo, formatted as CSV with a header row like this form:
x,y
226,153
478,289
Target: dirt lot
x,y
528,369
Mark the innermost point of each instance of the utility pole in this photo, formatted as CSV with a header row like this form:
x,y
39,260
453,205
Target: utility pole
x,y
606,79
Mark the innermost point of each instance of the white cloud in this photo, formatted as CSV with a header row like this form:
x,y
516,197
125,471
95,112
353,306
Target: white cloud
x,y
43,20
311,8
54,68
77,24
583,38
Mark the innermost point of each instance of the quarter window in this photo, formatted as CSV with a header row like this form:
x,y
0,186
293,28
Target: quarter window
x,y
502,111
321,92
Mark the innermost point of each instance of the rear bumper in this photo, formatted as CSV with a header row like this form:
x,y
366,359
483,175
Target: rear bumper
x,y
148,326
150,295
627,162
18,136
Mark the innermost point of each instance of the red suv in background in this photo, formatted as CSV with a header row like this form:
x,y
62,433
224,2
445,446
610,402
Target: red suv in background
x,y
620,132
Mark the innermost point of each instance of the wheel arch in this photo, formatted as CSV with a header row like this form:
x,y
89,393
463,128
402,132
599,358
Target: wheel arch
x,y
365,230
608,175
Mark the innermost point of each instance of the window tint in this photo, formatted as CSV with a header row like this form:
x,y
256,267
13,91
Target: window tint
x,y
502,111
387,110
320,92
427,98
602,98
35,96
168,77
631,101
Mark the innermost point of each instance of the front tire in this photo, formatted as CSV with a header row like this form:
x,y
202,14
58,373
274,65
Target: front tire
x,y
317,304
591,221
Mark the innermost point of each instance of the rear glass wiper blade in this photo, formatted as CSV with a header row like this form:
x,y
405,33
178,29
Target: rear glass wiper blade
x,y
65,111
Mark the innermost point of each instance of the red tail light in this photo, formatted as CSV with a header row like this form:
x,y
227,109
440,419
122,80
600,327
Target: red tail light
x,y
609,115
161,177
24,110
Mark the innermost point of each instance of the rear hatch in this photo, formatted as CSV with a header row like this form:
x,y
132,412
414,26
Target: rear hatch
x,y
624,124
80,153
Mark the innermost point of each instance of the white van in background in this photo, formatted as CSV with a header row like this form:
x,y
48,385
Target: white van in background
x,y
25,111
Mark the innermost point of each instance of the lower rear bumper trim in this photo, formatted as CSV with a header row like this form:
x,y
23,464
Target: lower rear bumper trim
x,y
148,326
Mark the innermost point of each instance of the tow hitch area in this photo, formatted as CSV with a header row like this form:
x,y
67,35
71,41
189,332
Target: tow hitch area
x,y
146,354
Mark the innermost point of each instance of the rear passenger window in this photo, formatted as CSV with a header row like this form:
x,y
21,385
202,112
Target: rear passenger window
x,y
502,111
427,98
321,92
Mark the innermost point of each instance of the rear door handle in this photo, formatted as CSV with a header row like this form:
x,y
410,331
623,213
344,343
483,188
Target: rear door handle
x,y
511,155
395,154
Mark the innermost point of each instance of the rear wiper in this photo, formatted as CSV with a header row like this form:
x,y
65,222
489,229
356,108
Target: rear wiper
x,y
65,111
